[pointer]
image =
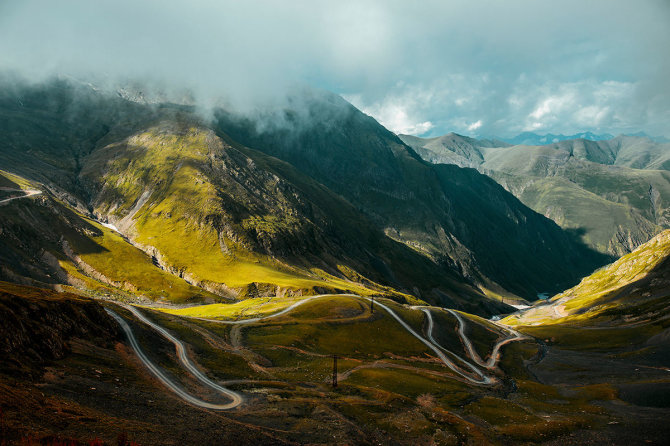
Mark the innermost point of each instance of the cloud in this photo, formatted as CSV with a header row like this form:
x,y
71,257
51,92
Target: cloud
x,y
397,113
588,104
474,126
435,66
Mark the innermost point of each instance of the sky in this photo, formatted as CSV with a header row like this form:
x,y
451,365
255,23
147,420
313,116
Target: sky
x,y
479,68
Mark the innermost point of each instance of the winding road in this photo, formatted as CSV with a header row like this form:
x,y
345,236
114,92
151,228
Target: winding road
x,y
491,363
236,399
28,193
435,347
261,318
483,379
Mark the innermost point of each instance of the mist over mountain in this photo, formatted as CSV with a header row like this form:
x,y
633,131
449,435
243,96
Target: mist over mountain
x,y
388,59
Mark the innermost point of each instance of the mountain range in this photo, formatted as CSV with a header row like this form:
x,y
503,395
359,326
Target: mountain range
x,y
612,193
301,274
534,139
365,208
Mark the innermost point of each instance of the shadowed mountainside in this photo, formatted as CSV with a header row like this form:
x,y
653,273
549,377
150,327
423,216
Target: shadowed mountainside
x,y
458,217
206,219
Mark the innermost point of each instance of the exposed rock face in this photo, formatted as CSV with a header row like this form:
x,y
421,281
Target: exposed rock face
x,y
37,325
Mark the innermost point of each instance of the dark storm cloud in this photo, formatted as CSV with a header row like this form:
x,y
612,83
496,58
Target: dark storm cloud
x,y
474,67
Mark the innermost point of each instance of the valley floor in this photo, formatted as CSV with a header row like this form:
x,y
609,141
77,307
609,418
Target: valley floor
x,y
393,388
638,400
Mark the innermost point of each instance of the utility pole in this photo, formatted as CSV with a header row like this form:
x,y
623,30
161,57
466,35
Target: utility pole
x,y
334,371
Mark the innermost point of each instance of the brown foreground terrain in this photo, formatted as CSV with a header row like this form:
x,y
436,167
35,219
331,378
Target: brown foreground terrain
x,y
69,377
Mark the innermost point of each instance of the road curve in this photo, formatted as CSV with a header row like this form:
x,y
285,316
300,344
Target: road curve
x,y
431,343
429,330
28,193
434,346
491,362
279,313
236,398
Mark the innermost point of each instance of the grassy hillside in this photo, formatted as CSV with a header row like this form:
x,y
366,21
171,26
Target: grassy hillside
x,y
240,224
47,243
388,382
61,246
608,226
647,191
629,298
612,329
642,153
391,388
637,201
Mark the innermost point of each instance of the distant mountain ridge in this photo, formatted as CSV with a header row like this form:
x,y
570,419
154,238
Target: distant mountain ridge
x,y
535,139
452,148
615,193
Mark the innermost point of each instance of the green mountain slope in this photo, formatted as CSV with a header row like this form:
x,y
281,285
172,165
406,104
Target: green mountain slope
x,y
610,227
623,304
205,217
635,287
642,153
256,223
44,242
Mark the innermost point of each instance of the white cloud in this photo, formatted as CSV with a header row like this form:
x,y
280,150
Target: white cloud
x,y
394,116
585,105
555,104
592,116
474,126
399,112
436,68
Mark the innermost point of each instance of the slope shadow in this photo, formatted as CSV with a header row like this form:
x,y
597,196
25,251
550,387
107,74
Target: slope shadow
x,y
6,182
